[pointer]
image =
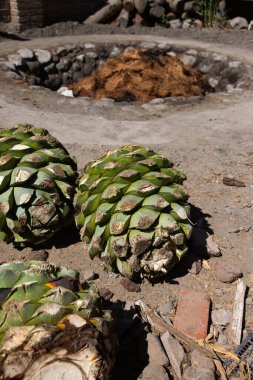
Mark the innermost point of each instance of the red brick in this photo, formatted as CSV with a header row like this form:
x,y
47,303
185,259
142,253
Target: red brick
x,y
192,313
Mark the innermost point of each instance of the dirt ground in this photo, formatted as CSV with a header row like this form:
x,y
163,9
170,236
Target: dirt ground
x,y
207,139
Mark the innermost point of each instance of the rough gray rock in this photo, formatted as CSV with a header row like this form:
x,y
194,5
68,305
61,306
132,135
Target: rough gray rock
x,y
154,372
202,361
51,68
155,351
222,317
213,82
175,353
63,65
43,56
222,339
212,247
225,272
26,53
238,23
89,275
196,373
16,59
188,60
175,24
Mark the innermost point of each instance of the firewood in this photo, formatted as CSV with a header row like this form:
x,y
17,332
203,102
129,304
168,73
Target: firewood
x,y
141,5
106,13
160,327
123,18
128,5
238,312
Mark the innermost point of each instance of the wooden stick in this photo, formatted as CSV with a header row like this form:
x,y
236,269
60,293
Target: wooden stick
x,y
123,18
238,312
161,327
128,5
106,13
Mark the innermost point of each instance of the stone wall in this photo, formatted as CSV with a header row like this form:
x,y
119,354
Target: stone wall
x,y
5,14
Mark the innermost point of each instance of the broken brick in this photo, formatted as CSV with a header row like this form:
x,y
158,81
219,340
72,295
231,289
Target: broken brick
x,y
192,313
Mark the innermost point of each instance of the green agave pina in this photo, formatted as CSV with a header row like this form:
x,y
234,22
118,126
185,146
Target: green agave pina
x,y
131,209
37,184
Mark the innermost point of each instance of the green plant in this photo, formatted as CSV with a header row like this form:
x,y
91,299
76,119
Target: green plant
x,y
210,11
131,209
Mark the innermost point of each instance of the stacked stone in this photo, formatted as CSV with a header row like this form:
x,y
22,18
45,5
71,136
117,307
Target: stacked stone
x,y
58,68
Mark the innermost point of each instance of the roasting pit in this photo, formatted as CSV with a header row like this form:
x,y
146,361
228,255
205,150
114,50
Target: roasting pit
x,y
192,72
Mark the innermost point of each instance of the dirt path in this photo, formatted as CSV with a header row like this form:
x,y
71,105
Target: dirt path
x,y
207,139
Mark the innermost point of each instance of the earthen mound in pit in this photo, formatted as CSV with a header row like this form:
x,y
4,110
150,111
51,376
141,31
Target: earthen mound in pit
x,y
139,74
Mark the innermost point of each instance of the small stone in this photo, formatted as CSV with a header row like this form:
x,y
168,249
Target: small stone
x,y
197,24
212,247
155,351
175,24
202,361
8,66
154,371
164,46
222,317
88,45
91,54
26,53
188,60
63,65
68,93
89,275
15,59
205,68
174,351
234,64
197,373
80,57
186,25
222,339
115,52
164,309
34,67
148,45
188,6
238,23
225,272
157,101
213,82
172,54
129,285
191,52
232,181
43,56
50,69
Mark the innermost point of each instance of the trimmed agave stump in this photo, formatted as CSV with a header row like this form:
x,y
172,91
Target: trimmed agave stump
x,y
37,185
51,327
131,209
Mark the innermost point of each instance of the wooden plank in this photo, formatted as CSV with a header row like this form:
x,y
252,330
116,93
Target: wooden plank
x,y
238,312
